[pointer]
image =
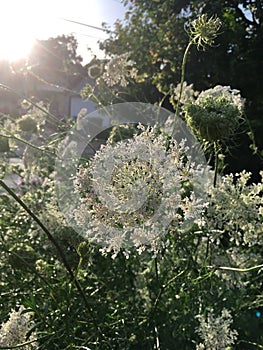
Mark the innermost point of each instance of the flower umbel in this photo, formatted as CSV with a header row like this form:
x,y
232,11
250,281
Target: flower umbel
x,y
215,331
131,193
118,69
244,220
15,330
204,30
186,91
216,113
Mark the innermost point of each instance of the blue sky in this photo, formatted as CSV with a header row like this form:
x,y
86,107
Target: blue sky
x,y
21,22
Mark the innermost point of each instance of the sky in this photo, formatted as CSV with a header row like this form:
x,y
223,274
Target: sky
x,y
21,22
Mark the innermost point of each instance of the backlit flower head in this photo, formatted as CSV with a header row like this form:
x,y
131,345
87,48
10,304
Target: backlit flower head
x,y
245,219
215,331
204,30
139,188
188,93
118,69
216,113
16,329
132,191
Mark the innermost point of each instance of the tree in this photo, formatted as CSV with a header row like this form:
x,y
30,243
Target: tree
x,y
56,59
153,32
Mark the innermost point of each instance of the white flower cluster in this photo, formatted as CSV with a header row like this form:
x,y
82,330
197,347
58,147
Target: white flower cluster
x,y
231,95
188,93
15,330
216,113
215,331
131,192
236,208
118,69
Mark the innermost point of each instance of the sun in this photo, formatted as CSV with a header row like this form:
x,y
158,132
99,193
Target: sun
x,y
17,30
14,46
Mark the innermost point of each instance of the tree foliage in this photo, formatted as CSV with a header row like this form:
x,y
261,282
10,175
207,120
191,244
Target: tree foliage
x,y
153,32
56,59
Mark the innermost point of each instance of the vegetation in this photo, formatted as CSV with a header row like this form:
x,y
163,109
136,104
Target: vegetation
x,y
140,246
154,34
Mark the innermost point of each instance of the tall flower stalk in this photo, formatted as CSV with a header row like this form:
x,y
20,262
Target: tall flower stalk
x,y
202,32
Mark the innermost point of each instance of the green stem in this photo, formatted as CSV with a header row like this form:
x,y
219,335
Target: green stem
x,y
156,270
226,268
18,346
183,75
216,150
251,343
162,289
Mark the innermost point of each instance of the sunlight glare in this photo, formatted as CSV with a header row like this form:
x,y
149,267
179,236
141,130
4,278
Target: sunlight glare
x,y
18,24
14,46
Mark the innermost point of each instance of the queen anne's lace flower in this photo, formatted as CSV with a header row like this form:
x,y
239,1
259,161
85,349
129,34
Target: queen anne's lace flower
x,y
204,30
132,191
216,113
215,331
15,330
188,93
118,69
236,208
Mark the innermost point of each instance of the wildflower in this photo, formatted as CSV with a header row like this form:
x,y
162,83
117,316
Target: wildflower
x,y
204,30
215,331
16,329
216,113
133,190
118,69
244,221
188,93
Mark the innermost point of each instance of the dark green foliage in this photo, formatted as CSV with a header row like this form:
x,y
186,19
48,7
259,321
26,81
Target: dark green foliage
x,y
153,32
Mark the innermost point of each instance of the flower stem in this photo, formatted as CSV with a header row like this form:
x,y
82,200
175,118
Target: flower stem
x,y
247,269
216,150
183,75
18,346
